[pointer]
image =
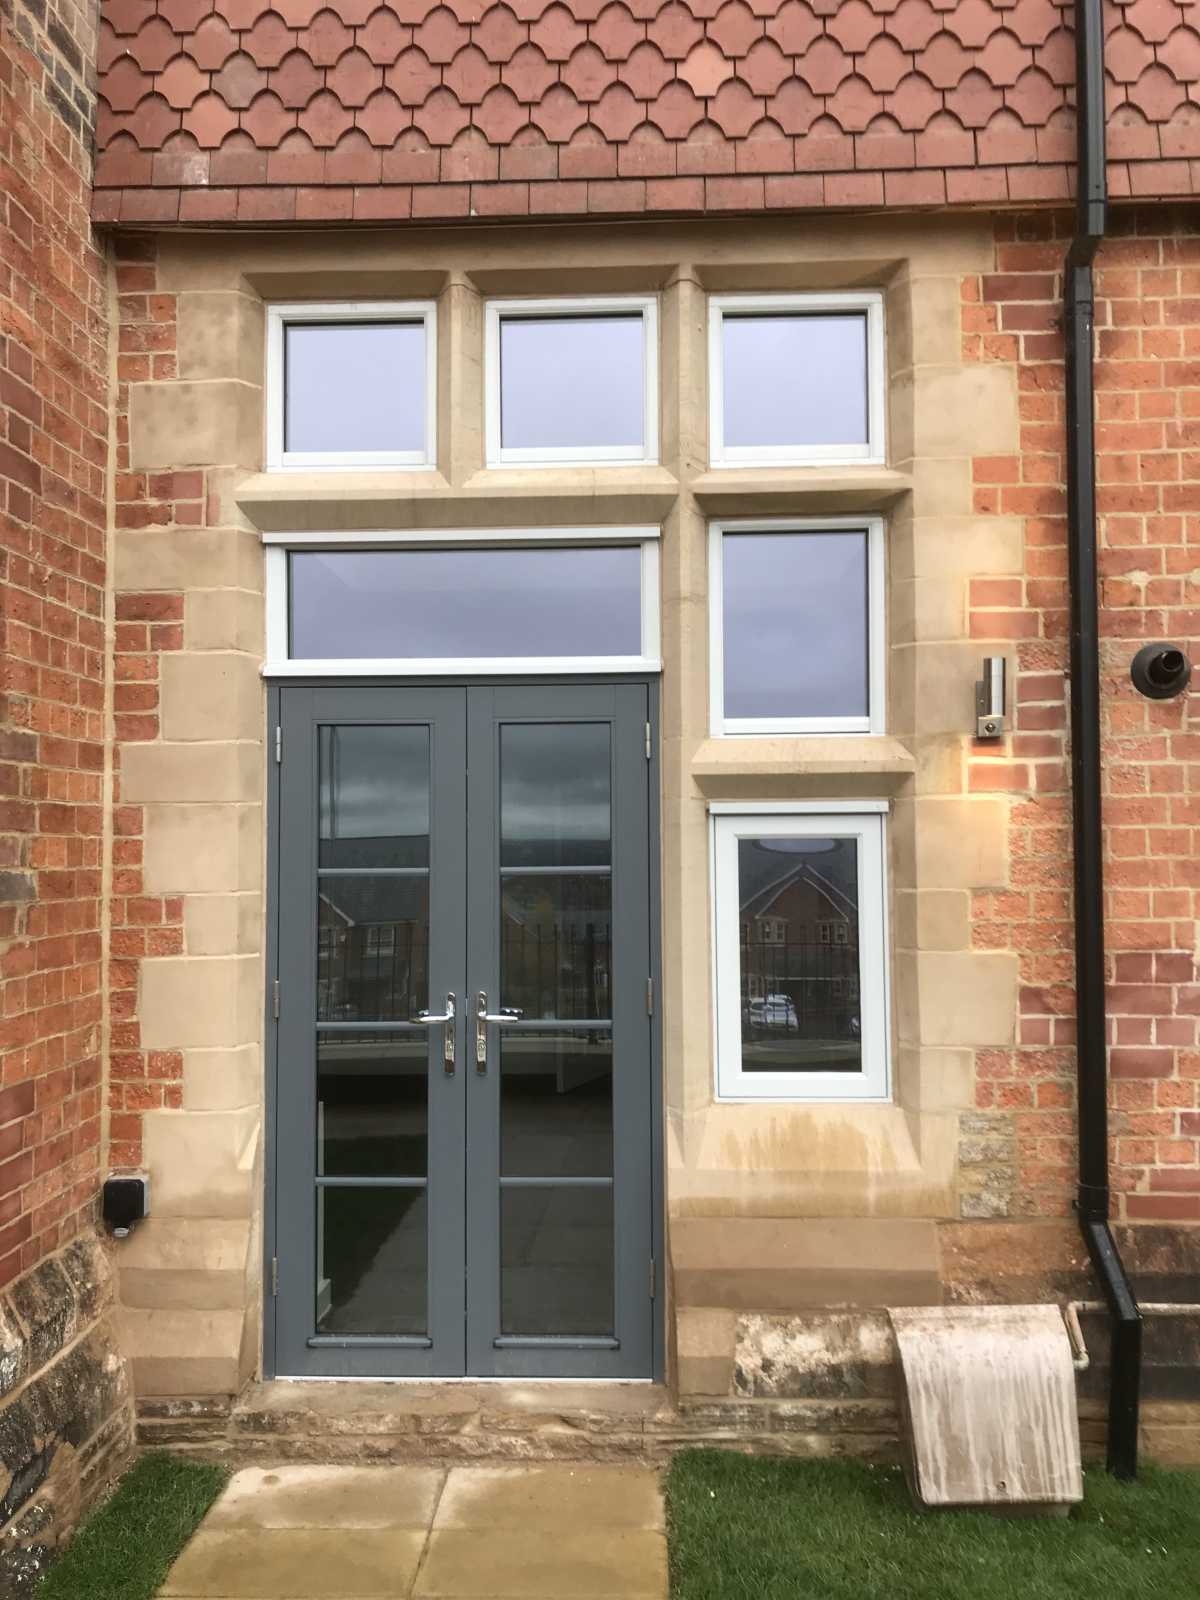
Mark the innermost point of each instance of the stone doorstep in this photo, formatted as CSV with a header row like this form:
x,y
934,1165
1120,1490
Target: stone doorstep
x,y
504,1422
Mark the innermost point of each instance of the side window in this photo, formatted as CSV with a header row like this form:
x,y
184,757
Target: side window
x,y
351,385
800,905
795,379
572,382
796,626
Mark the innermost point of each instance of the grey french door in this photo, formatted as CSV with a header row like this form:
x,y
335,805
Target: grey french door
x,y
463,1095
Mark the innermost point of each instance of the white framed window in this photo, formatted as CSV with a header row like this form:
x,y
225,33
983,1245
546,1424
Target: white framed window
x,y
352,384
797,633
802,1016
795,379
572,382
474,601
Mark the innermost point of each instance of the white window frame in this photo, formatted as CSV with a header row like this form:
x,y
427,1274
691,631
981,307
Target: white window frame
x,y
279,315
645,454
279,545
876,718
872,453
864,821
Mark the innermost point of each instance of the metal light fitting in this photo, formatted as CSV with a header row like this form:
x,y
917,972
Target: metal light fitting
x,y
991,699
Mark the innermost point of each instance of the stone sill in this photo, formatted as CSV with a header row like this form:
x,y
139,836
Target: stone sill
x,y
792,491
798,764
347,502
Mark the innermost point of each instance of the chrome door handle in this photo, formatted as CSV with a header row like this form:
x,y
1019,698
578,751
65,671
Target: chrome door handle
x,y
482,1017
447,1017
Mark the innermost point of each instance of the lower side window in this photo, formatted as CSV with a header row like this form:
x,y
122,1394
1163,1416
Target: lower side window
x,y
800,933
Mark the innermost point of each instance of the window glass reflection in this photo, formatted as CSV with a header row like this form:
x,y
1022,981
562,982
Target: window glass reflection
x,y
556,946
372,1254
556,1104
556,1260
372,1113
372,948
571,382
555,794
795,624
799,929
374,796
447,604
354,386
794,379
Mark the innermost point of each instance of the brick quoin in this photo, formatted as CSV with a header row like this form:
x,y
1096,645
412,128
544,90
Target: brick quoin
x,y
54,410
1148,474
146,626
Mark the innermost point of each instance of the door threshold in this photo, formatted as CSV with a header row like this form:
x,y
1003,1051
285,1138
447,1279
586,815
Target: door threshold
x,y
437,1383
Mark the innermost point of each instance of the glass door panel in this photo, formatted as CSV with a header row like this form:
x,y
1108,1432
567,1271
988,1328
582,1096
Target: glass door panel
x,y
562,1057
369,1098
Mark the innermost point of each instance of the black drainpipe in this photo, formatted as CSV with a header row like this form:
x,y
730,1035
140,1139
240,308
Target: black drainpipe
x,y
1090,1007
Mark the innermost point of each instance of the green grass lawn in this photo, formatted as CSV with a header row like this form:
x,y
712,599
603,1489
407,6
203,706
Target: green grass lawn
x,y
756,1528
124,1549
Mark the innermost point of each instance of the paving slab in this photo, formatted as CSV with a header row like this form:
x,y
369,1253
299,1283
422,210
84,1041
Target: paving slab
x,y
537,1564
536,1531
550,1497
328,1497
297,1564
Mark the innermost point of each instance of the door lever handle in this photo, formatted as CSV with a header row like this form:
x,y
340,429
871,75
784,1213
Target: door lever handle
x,y
482,1017
447,1017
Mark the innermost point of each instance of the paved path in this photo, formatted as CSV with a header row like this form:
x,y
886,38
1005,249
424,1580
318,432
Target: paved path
x,y
537,1532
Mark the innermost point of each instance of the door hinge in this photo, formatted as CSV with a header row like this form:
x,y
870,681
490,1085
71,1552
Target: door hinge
x,y
274,1276
649,746
649,997
275,999
278,743
653,1279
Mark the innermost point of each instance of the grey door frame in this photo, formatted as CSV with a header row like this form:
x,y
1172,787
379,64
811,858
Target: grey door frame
x,y
511,1365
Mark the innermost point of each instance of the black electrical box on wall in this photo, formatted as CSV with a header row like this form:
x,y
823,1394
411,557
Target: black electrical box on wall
x,y
126,1201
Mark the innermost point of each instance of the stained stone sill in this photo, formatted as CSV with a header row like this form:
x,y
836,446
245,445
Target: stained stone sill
x,y
346,502
800,764
799,491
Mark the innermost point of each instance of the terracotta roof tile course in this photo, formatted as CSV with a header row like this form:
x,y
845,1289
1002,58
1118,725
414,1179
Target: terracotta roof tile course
x,y
623,104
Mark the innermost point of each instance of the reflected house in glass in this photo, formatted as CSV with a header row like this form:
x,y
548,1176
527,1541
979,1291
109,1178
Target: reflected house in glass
x,y
799,950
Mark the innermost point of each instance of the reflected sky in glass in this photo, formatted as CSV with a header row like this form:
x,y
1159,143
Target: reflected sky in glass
x,y
442,604
794,380
555,802
571,382
354,386
795,616
374,796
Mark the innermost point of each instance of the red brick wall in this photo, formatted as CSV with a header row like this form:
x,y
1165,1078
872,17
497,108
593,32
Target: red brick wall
x,y
53,517
1148,472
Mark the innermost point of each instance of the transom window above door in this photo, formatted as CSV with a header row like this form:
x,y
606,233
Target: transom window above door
x,y
539,600
572,382
795,379
351,384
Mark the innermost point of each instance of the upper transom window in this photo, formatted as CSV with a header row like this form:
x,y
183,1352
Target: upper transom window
x,y
485,601
795,379
796,628
351,385
572,382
